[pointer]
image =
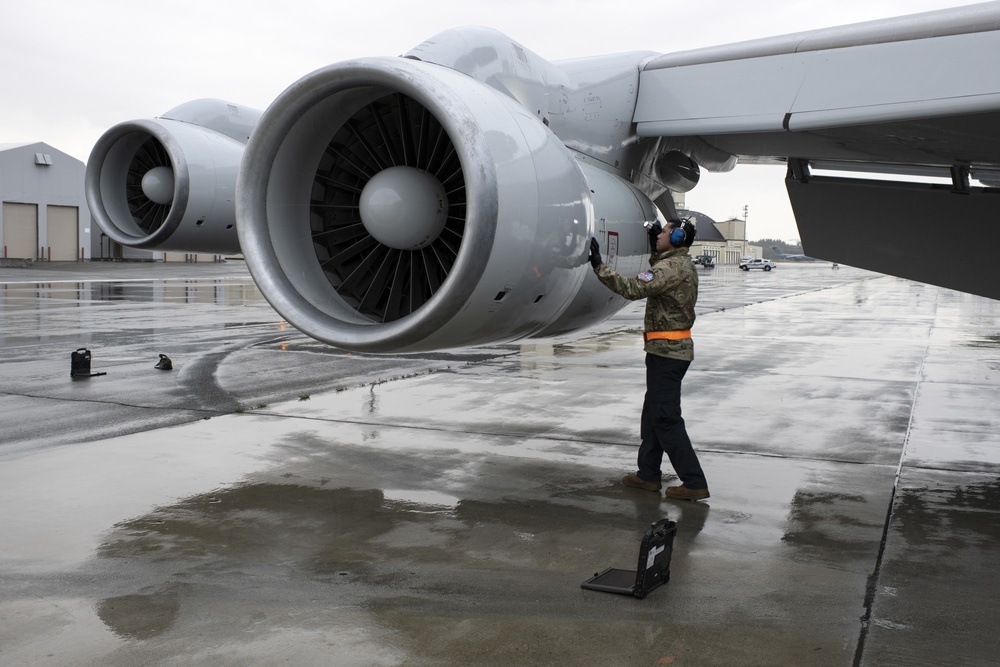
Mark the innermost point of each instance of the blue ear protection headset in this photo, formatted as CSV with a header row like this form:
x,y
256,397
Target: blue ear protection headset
x,y
678,236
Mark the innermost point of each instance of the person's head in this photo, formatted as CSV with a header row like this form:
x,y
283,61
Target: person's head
x,y
679,233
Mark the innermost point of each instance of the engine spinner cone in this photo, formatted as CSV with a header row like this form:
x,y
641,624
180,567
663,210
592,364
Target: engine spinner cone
x,y
404,207
158,185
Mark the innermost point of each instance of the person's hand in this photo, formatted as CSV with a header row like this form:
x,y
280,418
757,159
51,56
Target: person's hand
x,y
653,231
595,253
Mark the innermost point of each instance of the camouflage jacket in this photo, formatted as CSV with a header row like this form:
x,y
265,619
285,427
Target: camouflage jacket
x,y
670,288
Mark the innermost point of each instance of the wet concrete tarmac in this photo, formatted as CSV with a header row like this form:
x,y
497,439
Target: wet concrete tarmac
x,y
272,500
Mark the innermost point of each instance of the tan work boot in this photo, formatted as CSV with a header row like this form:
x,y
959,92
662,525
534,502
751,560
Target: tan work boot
x,y
683,493
637,482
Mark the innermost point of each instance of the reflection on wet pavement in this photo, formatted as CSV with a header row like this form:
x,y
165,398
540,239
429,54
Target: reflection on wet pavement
x,y
139,616
939,582
825,524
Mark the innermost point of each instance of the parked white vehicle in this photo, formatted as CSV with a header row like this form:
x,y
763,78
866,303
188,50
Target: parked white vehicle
x,y
764,264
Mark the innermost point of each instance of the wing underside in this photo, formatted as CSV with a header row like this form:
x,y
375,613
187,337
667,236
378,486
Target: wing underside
x,y
915,95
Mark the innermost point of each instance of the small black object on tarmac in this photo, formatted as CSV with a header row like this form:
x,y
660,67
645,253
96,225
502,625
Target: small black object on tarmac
x,y
653,569
80,364
164,364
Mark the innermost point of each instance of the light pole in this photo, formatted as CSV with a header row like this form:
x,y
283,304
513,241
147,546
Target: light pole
x,y
746,211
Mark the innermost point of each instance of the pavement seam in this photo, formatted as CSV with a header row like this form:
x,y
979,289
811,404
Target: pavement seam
x,y
63,399
871,588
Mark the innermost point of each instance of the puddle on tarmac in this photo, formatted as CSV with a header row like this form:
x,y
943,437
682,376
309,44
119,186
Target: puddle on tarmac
x,y
140,616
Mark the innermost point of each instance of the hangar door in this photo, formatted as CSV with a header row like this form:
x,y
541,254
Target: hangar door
x,y
20,230
63,236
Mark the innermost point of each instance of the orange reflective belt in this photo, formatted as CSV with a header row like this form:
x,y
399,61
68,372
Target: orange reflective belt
x,y
669,335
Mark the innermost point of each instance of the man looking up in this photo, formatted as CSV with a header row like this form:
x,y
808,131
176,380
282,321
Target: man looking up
x,y
670,288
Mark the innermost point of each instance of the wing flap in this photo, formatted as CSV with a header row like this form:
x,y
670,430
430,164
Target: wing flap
x,y
902,229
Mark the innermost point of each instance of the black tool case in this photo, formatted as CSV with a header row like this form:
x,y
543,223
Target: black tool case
x,y
652,570
80,363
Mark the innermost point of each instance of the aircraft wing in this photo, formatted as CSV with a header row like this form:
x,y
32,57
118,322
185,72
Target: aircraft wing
x,y
914,95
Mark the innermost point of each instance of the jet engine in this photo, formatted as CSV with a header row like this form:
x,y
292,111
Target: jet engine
x,y
169,183
391,205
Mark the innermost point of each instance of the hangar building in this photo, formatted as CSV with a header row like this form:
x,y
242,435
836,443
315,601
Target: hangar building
x,y
44,214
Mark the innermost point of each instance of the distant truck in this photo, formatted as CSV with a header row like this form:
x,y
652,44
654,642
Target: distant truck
x,y
746,264
704,260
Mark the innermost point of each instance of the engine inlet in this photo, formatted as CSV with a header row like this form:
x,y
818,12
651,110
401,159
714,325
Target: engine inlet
x,y
388,208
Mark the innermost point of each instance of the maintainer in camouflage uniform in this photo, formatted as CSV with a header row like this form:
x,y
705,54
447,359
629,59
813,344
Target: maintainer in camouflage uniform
x,y
670,288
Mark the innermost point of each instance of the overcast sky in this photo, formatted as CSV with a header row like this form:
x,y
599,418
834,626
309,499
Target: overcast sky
x,y
70,69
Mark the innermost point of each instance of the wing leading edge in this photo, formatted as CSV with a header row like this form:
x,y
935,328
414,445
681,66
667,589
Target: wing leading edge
x,y
911,95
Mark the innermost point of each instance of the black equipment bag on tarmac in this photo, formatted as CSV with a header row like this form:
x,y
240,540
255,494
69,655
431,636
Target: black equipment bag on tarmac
x,y
80,363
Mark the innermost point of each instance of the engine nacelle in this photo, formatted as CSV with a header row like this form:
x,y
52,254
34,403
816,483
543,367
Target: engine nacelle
x,y
390,205
170,183
677,171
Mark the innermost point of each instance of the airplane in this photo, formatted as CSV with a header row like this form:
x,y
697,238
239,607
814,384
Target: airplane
x,y
446,198
791,258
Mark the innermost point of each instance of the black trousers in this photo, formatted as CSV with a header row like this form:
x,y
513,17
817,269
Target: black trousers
x,y
663,427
